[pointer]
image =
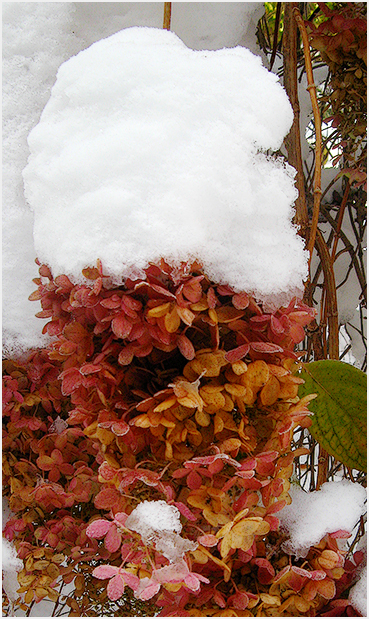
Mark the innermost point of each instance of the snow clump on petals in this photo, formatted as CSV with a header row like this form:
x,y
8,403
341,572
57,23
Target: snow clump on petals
x,y
149,149
158,522
151,517
311,515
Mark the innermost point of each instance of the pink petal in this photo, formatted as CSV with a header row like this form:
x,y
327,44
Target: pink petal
x,y
239,600
130,579
186,347
241,300
185,511
115,588
105,571
89,368
192,582
208,540
113,539
265,347
194,480
98,528
149,591
237,353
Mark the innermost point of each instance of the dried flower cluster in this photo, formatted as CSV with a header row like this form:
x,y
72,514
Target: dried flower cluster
x,y
169,388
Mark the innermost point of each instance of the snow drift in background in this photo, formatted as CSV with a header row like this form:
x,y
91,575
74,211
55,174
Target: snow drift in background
x,y
147,148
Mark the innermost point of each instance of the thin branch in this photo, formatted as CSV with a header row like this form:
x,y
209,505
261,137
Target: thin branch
x,y
293,140
275,37
167,15
318,129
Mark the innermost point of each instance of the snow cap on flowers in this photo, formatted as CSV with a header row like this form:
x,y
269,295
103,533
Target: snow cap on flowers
x,y
148,149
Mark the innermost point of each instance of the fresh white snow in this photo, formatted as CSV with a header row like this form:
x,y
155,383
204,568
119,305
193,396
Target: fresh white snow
x,y
159,523
311,515
358,593
147,149
10,566
37,38
151,517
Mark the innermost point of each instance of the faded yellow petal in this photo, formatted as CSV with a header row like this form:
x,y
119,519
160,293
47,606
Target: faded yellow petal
x,y
218,424
202,418
172,321
213,315
25,579
168,451
159,310
270,600
165,404
212,518
224,530
241,515
328,559
239,391
228,405
301,604
105,436
172,586
247,526
263,529
226,545
239,367
142,421
186,315
257,374
199,556
215,399
230,444
250,396
201,305
288,391
270,392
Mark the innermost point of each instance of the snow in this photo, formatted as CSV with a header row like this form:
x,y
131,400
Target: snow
x,y
147,149
159,523
358,593
151,517
10,566
311,515
37,38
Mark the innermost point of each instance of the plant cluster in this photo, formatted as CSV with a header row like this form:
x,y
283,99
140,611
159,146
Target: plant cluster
x,y
341,40
172,389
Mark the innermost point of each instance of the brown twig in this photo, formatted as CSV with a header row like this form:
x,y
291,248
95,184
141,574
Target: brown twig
x,y
318,129
333,342
339,221
275,36
293,141
167,15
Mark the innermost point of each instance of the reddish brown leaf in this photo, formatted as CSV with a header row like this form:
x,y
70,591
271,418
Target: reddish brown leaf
x,y
236,354
265,347
192,290
89,368
241,300
121,327
186,347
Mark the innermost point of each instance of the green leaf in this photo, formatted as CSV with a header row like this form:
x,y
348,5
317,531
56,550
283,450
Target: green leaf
x,y
339,420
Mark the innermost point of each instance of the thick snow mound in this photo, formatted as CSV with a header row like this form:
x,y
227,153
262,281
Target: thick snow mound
x,y
148,149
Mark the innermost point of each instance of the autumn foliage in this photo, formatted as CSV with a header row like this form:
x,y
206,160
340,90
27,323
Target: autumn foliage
x,y
166,388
